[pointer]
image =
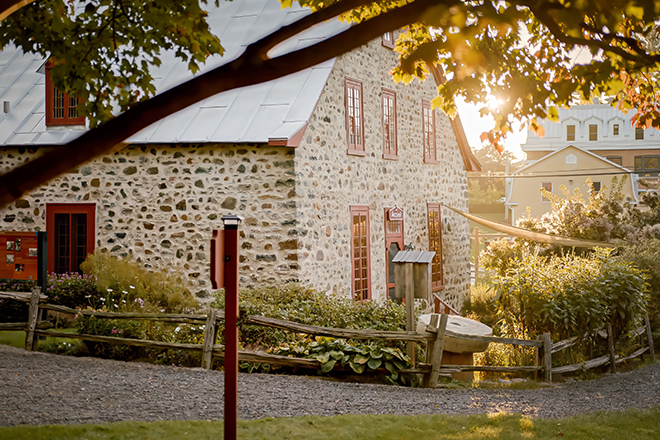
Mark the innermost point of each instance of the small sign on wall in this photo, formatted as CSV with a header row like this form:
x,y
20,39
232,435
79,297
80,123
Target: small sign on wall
x,y
395,213
18,255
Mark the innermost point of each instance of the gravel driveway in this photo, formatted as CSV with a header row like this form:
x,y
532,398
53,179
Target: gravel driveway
x,y
41,388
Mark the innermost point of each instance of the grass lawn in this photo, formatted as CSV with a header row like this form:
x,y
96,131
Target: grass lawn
x,y
631,424
17,339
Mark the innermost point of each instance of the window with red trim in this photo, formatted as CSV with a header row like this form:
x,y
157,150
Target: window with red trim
x,y
428,130
435,245
393,244
354,117
360,253
389,124
61,108
388,39
71,232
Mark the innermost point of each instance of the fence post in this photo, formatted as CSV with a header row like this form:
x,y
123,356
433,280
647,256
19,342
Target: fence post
x,y
610,346
430,345
649,336
547,357
438,347
31,343
210,334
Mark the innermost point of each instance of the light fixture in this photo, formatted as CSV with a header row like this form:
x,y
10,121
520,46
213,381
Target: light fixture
x,y
5,106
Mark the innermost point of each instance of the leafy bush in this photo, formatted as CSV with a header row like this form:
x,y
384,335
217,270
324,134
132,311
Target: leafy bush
x,y
570,295
73,290
293,302
482,307
130,280
360,358
12,310
91,325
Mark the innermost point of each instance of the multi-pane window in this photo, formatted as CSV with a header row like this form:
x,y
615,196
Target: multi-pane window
x,y
596,186
61,108
360,255
388,39
616,159
354,117
435,245
647,165
548,187
393,244
389,124
570,132
428,130
615,129
593,132
639,133
71,233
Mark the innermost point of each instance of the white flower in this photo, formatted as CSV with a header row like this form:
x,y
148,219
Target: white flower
x,y
109,290
116,306
123,291
131,287
102,299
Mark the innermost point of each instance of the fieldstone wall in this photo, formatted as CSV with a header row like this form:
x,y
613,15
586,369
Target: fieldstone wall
x,y
159,205
329,180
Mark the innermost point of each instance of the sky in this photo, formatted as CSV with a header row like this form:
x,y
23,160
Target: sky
x,y
474,124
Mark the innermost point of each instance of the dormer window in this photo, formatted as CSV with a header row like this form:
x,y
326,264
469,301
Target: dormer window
x,y
61,108
639,133
615,129
388,39
570,132
593,132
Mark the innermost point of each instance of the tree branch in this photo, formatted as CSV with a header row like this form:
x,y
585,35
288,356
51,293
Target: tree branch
x,y
246,70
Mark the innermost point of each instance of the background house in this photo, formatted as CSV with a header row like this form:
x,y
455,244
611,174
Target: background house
x,y
314,162
593,129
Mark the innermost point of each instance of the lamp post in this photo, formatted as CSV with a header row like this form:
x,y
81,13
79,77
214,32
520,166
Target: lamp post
x,y
231,223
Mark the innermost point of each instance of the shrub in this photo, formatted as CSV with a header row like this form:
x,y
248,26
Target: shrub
x,y
12,310
73,290
129,280
293,302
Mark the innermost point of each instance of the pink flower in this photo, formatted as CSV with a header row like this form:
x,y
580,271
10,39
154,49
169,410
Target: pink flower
x,y
113,331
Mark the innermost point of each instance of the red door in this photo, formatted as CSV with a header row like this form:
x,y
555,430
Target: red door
x,y
71,233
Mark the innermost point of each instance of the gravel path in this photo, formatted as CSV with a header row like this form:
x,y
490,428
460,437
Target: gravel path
x,y
41,388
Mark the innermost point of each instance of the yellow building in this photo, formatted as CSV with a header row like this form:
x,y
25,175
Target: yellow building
x,y
569,166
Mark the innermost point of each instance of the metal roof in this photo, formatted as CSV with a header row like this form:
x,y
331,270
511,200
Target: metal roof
x,y
413,257
276,110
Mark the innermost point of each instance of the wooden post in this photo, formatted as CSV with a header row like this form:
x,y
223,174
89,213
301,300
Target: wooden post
x,y
438,347
476,254
210,334
430,345
31,343
610,345
649,336
410,308
539,356
547,357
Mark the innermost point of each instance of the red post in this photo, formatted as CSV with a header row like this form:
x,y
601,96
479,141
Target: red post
x,y
231,332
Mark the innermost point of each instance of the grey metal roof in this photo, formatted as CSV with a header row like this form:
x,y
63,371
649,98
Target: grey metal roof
x,y
413,257
274,110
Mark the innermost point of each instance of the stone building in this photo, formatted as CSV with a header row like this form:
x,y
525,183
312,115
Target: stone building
x,y
333,169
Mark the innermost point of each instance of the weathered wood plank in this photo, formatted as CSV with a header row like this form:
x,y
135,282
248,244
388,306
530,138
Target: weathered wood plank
x,y
175,318
438,347
21,296
649,336
210,334
33,315
445,369
547,357
336,332
21,326
493,339
562,345
126,341
610,347
592,363
632,355
430,346
261,357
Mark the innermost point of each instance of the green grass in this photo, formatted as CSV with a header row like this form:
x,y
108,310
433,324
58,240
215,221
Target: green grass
x,y
17,339
632,424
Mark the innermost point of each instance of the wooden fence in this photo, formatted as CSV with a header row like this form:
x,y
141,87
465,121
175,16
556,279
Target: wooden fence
x,y
434,338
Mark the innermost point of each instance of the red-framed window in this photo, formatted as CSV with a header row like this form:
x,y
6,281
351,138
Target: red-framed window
x,y
428,130
393,244
71,232
360,252
61,108
389,125
388,39
354,117
435,245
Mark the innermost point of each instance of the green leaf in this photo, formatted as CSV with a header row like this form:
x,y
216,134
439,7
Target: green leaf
x,y
323,357
358,368
374,363
328,366
336,355
360,359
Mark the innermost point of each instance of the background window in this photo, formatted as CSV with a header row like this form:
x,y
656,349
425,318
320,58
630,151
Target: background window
x,y
593,132
360,255
354,118
596,186
616,159
61,109
639,133
548,187
428,130
615,129
435,245
71,233
570,132
389,124
647,165
388,39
